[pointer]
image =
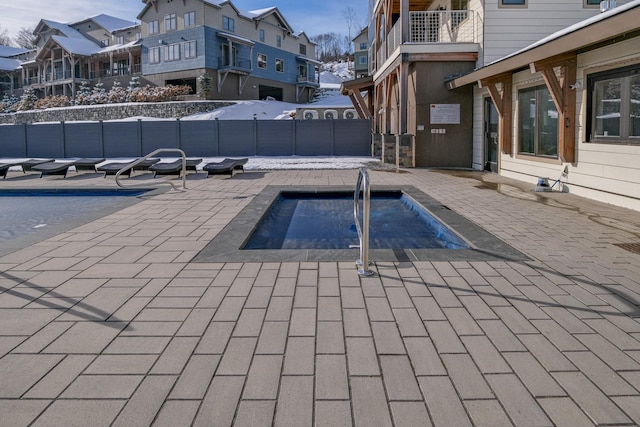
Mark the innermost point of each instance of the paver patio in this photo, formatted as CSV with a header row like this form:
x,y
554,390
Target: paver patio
x,y
111,323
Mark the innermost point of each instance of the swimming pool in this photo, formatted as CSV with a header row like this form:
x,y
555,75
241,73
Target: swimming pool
x,y
232,243
29,215
303,220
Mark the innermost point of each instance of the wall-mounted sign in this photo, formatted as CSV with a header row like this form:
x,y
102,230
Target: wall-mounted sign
x,y
445,114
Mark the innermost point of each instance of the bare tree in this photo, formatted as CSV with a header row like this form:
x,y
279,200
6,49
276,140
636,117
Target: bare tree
x,y
328,46
5,40
25,38
350,16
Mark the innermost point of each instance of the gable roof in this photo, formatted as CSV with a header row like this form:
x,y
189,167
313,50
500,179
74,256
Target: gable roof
x,y
108,22
260,14
62,28
76,46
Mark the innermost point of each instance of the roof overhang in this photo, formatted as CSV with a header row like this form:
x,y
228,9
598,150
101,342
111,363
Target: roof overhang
x,y
610,27
359,85
235,38
309,60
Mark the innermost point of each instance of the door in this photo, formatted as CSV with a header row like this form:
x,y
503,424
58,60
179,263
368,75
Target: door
x,y
490,136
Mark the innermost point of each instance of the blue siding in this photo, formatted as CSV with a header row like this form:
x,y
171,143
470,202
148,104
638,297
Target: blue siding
x,y
162,40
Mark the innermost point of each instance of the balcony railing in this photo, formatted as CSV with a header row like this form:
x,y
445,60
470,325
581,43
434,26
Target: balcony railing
x,y
443,26
238,64
66,75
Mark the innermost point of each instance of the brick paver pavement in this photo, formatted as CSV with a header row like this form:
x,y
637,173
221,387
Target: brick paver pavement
x,y
111,324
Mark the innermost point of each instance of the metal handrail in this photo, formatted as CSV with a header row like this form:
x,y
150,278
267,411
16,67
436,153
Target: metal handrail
x,y
362,184
159,150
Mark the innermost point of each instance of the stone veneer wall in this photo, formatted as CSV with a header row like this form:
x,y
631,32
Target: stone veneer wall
x,y
388,150
162,110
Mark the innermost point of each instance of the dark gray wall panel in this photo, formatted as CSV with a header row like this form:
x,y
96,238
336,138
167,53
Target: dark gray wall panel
x,y
199,137
12,141
159,134
314,138
45,140
121,139
236,138
83,140
275,137
352,138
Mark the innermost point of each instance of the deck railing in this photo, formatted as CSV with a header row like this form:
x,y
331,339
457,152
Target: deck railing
x,y
427,27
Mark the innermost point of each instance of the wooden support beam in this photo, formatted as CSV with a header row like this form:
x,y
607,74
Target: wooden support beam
x,y
502,99
564,98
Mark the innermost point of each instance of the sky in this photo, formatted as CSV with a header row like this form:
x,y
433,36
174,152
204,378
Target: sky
x,y
312,16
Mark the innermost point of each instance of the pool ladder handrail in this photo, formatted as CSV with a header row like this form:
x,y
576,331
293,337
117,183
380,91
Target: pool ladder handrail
x,y
362,185
153,153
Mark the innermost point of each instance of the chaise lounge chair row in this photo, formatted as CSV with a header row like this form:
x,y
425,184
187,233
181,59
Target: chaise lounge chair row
x,y
52,167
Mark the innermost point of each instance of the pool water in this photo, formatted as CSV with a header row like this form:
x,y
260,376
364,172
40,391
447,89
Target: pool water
x,y
299,220
27,212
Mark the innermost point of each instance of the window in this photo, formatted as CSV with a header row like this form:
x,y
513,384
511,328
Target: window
x,y
262,61
363,46
104,42
261,35
154,55
459,12
537,123
154,28
278,41
363,60
591,3
138,35
513,3
190,49
302,72
170,22
228,23
189,19
303,49
173,52
279,65
613,106
120,40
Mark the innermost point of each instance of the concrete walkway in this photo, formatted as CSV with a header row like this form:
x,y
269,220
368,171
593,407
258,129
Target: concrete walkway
x,y
111,324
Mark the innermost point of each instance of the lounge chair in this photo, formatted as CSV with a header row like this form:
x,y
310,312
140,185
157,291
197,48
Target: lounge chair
x,y
4,168
27,165
170,168
53,168
114,167
87,164
227,166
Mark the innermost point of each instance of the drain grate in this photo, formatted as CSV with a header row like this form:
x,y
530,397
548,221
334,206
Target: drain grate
x,y
631,247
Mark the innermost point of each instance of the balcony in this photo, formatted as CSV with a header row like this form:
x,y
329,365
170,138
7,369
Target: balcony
x,y
429,28
234,65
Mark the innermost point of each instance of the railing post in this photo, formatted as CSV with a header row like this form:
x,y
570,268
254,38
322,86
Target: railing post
x,y
363,230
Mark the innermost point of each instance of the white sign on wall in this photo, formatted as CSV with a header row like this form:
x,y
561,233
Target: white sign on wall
x,y
445,114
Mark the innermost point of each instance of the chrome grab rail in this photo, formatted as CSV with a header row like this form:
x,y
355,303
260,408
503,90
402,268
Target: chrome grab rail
x,y
153,153
362,184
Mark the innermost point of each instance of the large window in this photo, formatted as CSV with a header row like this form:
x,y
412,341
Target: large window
x,y
189,19
613,106
280,65
154,28
173,52
154,55
228,24
262,61
170,22
303,49
190,49
537,123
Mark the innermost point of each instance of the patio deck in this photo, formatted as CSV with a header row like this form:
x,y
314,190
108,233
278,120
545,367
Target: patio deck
x,y
111,323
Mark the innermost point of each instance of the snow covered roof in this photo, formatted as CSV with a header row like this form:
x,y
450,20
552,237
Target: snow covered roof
x,y
598,28
235,38
109,23
120,46
63,28
7,51
7,64
76,46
